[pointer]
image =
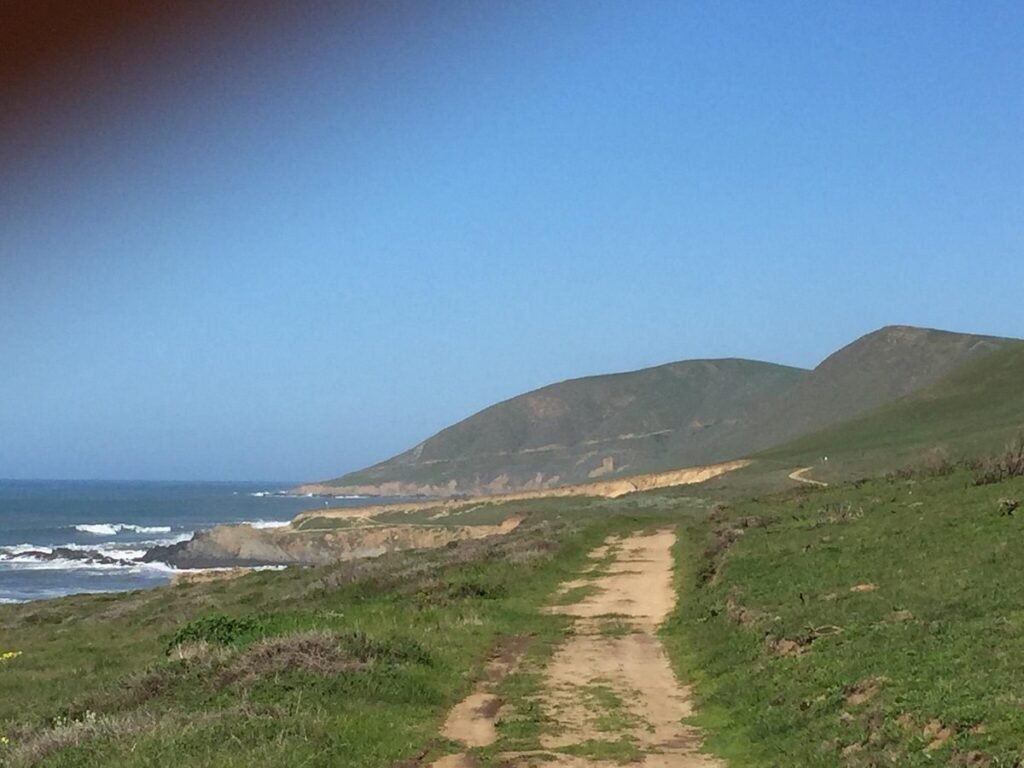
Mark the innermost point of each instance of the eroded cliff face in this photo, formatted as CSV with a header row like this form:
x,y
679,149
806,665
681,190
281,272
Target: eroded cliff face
x,y
347,533
502,484
501,489
241,545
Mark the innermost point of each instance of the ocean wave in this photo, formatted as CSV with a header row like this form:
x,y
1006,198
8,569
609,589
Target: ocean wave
x,y
31,563
266,523
164,542
352,497
40,558
122,551
112,529
17,549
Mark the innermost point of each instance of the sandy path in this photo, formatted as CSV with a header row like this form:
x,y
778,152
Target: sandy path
x,y
611,681
798,475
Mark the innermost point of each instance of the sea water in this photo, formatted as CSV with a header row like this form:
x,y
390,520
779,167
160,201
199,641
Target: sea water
x,y
121,520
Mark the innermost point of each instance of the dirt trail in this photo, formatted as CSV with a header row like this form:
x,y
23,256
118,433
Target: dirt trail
x,y
610,685
798,475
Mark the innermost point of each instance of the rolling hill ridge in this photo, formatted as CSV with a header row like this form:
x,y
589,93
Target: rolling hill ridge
x,y
674,415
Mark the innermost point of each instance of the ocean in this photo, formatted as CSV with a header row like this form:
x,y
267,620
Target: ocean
x,y
119,520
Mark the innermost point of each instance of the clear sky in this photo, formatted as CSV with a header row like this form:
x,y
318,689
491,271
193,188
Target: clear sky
x,y
286,245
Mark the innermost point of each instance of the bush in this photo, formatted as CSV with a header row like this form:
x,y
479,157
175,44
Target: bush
x,y
394,650
1008,464
313,652
216,629
936,463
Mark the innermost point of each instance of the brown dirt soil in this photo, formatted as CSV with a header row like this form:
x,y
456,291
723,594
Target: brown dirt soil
x,y
636,588
472,722
201,577
603,688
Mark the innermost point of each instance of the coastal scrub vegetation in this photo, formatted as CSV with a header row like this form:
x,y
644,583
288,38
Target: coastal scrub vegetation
x,y
871,622
351,664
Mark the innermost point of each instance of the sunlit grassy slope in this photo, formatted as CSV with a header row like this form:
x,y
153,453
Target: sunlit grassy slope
x,y
975,410
682,414
868,624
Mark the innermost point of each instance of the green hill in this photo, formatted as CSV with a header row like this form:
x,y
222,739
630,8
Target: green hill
x,y
591,427
974,410
877,368
675,415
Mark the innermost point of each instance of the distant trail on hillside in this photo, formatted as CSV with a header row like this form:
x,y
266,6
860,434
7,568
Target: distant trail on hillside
x,y
798,475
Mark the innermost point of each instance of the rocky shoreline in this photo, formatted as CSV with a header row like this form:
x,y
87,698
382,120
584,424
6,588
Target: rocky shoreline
x,y
349,533
233,546
85,556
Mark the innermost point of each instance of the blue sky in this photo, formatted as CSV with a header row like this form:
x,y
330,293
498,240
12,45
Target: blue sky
x,y
293,258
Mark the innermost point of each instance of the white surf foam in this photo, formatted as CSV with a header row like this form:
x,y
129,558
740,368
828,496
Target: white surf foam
x,y
266,523
29,563
112,529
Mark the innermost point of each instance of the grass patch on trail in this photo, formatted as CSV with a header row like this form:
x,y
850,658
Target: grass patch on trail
x,y
576,595
611,713
875,623
622,750
616,627
354,664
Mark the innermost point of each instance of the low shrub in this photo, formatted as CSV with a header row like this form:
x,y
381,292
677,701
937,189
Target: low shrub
x,y
316,652
216,629
936,463
394,650
1010,463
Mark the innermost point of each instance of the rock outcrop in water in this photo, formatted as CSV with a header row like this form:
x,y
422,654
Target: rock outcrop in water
x,y
87,556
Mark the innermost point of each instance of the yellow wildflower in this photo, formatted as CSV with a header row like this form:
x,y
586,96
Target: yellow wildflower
x,y
8,655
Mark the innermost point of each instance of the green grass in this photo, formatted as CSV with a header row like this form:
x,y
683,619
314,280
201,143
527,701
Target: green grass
x,y
612,715
791,662
622,750
576,595
355,663
977,409
610,627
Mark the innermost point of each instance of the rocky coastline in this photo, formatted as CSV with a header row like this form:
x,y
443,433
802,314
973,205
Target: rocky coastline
x,y
234,546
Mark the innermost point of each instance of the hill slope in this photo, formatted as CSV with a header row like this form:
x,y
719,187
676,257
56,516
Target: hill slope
x,y
875,369
675,415
583,429
973,411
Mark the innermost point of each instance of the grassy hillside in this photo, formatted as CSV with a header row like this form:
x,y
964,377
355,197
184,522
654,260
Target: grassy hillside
x,y
862,625
674,415
602,425
876,369
975,410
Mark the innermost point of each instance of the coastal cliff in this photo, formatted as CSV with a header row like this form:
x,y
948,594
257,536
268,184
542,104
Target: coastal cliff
x,y
230,546
538,489
329,535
